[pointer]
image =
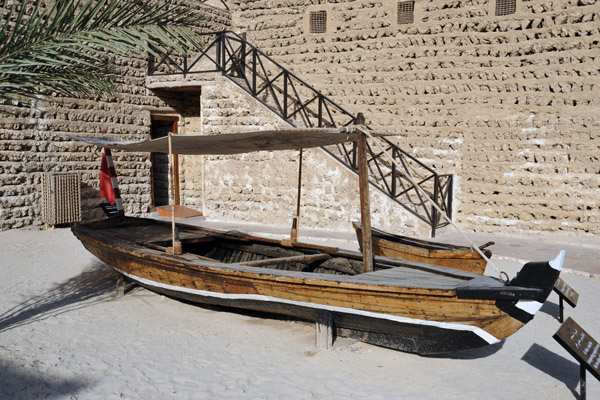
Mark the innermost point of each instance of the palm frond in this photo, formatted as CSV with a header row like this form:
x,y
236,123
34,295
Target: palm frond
x,y
64,48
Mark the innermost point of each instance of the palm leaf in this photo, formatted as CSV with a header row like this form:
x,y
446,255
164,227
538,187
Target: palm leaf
x,y
64,48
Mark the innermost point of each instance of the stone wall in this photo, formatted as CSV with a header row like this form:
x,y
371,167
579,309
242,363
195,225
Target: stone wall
x,y
32,140
261,187
508,104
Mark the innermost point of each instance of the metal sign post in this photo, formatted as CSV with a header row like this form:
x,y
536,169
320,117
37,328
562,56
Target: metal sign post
x,y
565,293
583,348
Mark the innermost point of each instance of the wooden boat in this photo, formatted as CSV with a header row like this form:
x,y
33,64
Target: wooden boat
x,y
403,305
437,253
400,304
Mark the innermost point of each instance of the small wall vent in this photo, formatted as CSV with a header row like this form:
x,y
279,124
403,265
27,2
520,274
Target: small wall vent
x,y
505,7
61,198
318,21
406,12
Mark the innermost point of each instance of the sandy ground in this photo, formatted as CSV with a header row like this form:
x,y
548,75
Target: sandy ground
x,y
65,335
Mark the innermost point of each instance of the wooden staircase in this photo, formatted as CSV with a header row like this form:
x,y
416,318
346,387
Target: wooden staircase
x,y
300,104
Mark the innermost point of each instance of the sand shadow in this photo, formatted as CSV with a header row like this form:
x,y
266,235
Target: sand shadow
x,y
556,366
94,285
550,308
18,383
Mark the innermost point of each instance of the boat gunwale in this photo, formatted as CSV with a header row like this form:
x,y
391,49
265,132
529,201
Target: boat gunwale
x,y
177,264
353,282
428,249
266,274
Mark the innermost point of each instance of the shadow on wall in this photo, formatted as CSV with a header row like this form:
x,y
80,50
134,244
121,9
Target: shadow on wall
x,y
17,382
186,104
94,285
91,200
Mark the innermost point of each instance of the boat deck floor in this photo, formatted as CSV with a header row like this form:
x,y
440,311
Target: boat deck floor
x,y
403,276
154,233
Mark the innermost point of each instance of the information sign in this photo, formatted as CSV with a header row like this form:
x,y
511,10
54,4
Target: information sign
x,y
582,347
566,293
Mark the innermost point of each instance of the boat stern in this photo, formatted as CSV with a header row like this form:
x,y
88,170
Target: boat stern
x,y
536,275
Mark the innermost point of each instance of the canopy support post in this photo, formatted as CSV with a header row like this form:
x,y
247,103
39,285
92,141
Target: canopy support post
x,y
296,221
177,198
176,246
365,204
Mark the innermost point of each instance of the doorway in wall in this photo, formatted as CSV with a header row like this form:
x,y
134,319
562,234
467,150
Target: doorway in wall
x,y
161,126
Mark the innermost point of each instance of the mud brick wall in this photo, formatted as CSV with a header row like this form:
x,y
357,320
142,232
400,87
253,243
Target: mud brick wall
x,y
509,104
261,187
32,140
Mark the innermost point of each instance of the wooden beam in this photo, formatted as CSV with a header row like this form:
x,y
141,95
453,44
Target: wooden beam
x,y
176,248
296,222
365,204
177,199
302,258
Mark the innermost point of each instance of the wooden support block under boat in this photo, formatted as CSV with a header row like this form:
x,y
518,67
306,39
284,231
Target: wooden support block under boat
x,y
121,286
324,330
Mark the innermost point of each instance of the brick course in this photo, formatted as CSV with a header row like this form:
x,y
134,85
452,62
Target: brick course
x,y
32,141
508,104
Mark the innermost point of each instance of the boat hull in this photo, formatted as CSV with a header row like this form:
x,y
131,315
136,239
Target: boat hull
x,y
367,307
411,337
404,334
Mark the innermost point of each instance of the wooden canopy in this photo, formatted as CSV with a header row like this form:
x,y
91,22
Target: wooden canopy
x,y
267,140
236,143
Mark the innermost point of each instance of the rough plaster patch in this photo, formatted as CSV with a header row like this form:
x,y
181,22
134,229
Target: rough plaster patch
x,y
453,141
538,141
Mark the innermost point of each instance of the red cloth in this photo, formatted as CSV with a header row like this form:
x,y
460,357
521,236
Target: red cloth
x,y
106,188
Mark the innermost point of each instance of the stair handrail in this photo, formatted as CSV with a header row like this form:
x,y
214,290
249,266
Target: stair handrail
x,y
229,63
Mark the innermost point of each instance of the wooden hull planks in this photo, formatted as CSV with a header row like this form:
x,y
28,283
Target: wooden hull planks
x,y
436,253
423,313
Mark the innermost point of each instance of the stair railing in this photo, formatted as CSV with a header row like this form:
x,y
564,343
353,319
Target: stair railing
x,y
300,104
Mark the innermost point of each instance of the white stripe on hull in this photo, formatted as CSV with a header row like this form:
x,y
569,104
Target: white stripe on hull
x,y
443,325
529,306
